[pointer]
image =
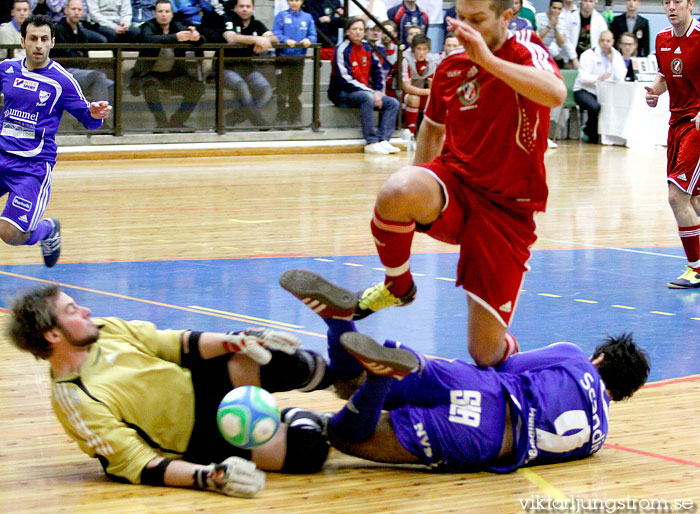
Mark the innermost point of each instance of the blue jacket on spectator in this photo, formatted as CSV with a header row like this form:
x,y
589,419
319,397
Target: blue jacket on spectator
x,y
187,12
295,26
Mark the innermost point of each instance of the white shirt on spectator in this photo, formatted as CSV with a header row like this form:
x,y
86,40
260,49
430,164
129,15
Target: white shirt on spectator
x,y
378,9
573,30
550,40
593,63
109,13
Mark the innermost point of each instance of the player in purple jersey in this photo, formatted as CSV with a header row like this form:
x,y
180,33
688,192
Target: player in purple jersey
x,y
37,90
546,405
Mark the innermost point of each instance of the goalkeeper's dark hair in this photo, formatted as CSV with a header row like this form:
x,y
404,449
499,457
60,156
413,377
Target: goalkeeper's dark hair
x,y
31,315
625,366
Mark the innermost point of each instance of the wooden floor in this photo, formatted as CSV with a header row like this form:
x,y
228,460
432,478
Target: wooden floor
x,y
320,205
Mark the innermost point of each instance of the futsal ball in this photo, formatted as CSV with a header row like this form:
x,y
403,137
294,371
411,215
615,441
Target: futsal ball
x,y
248,417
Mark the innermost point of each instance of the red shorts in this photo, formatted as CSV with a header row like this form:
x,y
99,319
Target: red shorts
x,y
683,157
421,105
494,238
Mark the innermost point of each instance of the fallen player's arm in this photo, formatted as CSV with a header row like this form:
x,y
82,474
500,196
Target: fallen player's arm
x,y
234,476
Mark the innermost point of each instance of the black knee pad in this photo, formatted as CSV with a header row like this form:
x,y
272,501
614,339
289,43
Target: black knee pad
x,y
307,450
303,370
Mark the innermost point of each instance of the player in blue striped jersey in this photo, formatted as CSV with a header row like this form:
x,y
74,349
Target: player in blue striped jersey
x,y
37,90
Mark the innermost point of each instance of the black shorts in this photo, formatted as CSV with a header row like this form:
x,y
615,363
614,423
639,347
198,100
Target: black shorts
x,y
211,383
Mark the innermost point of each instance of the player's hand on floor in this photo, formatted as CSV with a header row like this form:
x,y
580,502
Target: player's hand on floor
x,y
233,477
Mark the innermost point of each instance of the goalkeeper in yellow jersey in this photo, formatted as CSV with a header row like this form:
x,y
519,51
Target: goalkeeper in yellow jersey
x,y
143,401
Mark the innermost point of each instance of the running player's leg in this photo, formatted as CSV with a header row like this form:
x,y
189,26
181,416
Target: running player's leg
x,y
683,159
488,340
29,187
410,196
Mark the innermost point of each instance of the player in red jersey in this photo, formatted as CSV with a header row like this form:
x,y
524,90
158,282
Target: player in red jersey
x,y
481,188
678,55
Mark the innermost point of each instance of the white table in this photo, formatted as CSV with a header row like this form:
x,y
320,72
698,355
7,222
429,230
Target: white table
x,y
625,118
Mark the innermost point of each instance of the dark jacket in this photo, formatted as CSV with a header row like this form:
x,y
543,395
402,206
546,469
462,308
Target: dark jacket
x,y
641,32
151,32
65,34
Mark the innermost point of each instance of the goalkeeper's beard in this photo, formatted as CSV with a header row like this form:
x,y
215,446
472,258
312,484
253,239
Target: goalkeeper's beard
x,y
80,342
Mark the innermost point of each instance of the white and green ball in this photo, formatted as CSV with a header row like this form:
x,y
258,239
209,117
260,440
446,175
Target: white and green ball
x,y
248,417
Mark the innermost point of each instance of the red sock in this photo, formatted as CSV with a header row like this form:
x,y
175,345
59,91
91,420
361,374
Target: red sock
x,y
690,237
410,116
512,347
393,241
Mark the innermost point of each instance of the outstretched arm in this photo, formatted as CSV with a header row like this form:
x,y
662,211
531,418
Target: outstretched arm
x,y
253,342
539,85
234,476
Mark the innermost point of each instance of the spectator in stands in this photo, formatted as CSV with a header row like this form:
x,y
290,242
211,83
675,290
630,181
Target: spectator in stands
x,y
191,12
296,29
328,16
389,54
632,22
602,63
10,31
552,30
94,83
417,70
517,22
167,72
357,82
449,45
408,14
238,25
584,30
55,10
374,34
628,49
113,20
376,7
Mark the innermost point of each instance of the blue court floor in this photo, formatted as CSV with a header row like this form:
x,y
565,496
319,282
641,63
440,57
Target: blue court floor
x,y
569,295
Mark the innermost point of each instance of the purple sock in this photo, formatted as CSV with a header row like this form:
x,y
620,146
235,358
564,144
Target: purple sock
x,y
357,421
42,232
343,364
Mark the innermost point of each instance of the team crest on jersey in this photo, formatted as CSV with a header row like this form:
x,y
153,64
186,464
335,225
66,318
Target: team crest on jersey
x,y
468,92
43,96
29,85
677,66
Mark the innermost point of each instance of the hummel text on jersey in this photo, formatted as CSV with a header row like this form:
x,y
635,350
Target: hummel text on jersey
x,y
22,115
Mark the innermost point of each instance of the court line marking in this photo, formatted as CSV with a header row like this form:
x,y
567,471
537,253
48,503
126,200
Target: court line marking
x,y
543,484
630,250
252,318
232,316
654,455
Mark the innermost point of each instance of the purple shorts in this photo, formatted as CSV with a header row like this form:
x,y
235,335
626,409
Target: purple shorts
x,y
29,185
452,415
